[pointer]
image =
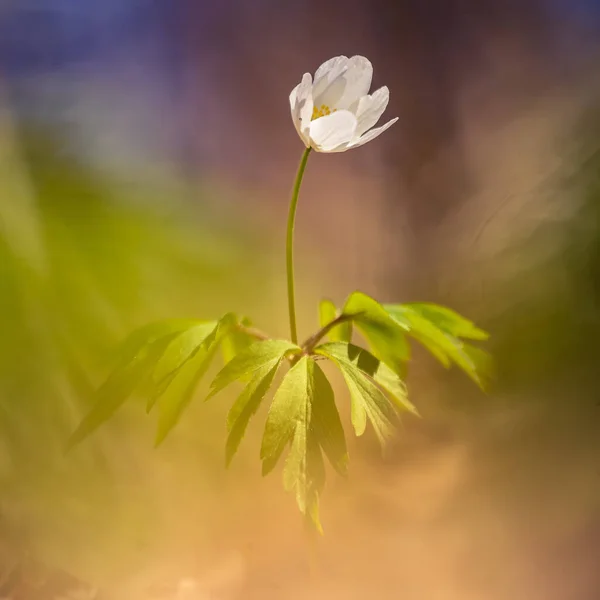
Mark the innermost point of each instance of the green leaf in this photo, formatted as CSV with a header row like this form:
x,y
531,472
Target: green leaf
x,y
180,392
289,401
247,404
236,341
386,337
304,472
381,374
435,340
326,422
119,386
243,366
443,318
483,363
303,412
226,323
367,400
149,359
150,333
328,313
444,346
179,351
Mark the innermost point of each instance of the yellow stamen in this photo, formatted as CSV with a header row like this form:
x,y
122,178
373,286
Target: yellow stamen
x,y
321,111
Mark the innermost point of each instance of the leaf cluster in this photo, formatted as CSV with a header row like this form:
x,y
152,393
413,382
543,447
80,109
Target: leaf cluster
x,y
165,362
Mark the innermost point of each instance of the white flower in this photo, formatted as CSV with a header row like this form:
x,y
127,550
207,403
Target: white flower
x,y
335,112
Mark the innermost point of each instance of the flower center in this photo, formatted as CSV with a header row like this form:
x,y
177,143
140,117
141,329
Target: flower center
x,y
321,111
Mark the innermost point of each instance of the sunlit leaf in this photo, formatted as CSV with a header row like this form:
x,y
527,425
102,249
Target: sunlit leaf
x,y
179,351
247,404
386,337
180,393
119,386
225,324
444,346
304,472
443,318
435,340
326,422
183,348
303,414
484,364
243,366
181,390
367,400
289,400
236,341
328,313
381,374
150,333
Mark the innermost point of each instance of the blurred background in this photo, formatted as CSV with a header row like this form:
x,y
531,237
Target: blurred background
x,y
146,158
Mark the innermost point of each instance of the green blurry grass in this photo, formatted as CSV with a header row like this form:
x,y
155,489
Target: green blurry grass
x,y
82,263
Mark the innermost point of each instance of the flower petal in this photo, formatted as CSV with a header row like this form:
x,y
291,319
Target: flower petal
x,y
301,105
342,81
370,135
329,71
328,133
358,77
369,109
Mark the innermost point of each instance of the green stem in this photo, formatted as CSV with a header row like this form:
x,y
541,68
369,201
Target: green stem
x,y
313,340
253,332
289,249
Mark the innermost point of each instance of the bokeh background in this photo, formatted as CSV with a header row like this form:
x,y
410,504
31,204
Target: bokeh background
x,y
146,157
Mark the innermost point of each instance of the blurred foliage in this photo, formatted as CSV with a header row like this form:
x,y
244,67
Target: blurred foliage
x,y
552,296
83,261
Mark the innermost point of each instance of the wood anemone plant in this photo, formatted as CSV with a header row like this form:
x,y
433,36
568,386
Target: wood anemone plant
x,y
167,360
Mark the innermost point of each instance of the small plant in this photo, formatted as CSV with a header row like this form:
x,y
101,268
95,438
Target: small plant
x,y
166,360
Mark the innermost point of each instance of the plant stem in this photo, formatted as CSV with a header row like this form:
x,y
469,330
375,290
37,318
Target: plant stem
x,y
253,332
289,250
314,339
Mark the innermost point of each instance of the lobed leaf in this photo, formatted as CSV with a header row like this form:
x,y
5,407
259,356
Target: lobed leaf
x,y
177,397
303,414
483,363
445,319
138,339
367,400
377,370
182,349
328,313
304,472
445,346
326,422
177,353
236,341
386,336
244,365
289,401
119,386
153,359
179,393
247,404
